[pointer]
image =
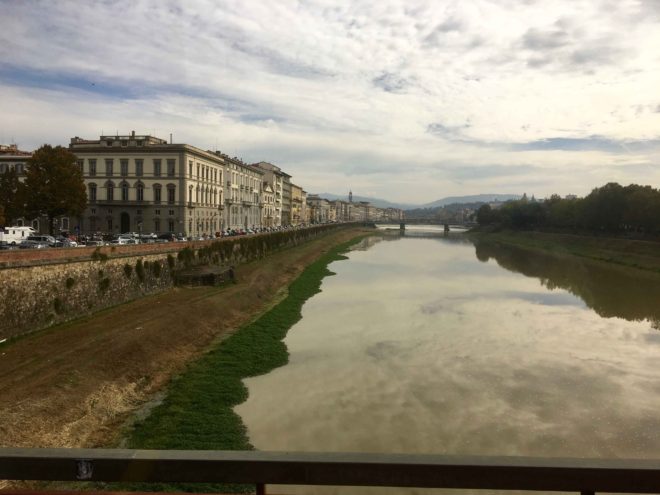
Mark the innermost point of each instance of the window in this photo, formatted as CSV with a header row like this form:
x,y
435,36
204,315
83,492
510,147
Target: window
x,y
170,225
171,164
93,210
140,192
157,224
157,190
92,167
110,192
108,143
139,167
139,143
157,168
109,164
171,194
190,168
81,166
92,192
123,164
156,212
109,224
65,224
124,192
35,225
171,213
124,143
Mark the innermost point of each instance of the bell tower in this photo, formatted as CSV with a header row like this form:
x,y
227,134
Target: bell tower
x,y
350,196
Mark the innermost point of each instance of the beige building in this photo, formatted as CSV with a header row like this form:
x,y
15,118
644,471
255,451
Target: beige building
x,y
140,183
275,177
297,214
242,194
268,202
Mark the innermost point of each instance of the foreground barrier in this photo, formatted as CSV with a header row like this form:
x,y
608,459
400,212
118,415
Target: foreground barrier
x,y
586,476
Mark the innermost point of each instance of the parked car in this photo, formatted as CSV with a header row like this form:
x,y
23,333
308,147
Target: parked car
x,y
94,242
32,244
47,239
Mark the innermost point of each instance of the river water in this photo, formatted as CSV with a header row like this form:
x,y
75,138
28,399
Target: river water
x,y
435,345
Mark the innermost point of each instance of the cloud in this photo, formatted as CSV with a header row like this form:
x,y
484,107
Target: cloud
x,y
382,95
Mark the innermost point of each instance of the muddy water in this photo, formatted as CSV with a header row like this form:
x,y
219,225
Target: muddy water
x,y
435,345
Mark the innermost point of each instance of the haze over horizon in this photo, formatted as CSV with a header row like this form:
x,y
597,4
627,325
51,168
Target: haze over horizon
x,y
405,101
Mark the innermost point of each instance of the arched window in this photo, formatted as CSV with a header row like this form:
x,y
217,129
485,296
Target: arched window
x,y
92,192
139,191
190,193
124,191
171,194
157,193
110,190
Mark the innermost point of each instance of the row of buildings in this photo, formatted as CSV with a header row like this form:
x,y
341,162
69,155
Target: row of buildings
x,y
141,183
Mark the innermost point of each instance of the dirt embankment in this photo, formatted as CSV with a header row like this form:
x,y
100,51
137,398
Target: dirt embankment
x,y
73,385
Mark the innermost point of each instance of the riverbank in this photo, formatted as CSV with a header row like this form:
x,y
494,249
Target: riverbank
x,y
74,385
644,255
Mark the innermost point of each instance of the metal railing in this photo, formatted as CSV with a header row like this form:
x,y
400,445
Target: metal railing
x,y
586,476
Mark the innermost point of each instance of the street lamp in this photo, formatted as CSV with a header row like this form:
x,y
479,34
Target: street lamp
x,y
139,232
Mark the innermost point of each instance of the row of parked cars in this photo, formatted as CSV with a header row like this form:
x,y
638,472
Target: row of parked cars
x,y
28,238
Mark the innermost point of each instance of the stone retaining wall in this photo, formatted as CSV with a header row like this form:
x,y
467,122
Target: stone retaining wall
x,y
39,288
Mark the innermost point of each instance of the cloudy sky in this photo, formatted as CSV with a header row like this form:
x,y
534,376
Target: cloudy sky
x,y
404,100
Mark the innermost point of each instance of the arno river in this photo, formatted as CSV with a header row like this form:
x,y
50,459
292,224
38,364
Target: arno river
x,y
435,345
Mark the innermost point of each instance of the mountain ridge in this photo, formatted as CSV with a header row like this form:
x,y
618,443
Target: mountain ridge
x,y
383,203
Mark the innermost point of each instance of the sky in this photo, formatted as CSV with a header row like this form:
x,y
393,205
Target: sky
x,y
408,101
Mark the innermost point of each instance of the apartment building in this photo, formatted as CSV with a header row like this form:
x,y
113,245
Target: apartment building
x,y
275,177
243,194
141,183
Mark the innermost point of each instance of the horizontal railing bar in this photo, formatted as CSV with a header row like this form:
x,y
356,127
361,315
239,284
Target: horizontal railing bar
x,y
348,469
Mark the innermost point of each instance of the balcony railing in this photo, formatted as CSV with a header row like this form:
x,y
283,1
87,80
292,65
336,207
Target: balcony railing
x,y
586,476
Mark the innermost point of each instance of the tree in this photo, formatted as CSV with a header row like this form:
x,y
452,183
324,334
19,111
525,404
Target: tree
x,y
12,197
54,184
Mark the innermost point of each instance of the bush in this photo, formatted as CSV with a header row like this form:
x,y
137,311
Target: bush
x,y
70,282
139,270
128,270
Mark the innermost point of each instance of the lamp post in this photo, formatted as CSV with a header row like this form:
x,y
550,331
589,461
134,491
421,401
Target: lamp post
x,y
139,232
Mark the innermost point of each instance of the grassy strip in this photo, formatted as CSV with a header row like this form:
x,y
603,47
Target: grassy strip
x,y
197,413
644,255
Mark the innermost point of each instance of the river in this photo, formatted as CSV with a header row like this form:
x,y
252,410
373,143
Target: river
x,y
435,345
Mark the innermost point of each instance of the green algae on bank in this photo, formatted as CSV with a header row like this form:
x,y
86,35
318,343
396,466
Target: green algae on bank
x,y
197,413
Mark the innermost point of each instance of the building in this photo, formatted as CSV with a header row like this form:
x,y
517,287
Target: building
x,y
140,183
297,202
275,178
268,202
242,194
286,199
319,209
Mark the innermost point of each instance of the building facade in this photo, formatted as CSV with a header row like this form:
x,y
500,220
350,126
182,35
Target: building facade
x,y
275,177
140,183
243,194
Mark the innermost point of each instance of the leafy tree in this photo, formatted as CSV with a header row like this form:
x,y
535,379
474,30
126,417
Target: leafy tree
x,y
2,215
54,184
12,197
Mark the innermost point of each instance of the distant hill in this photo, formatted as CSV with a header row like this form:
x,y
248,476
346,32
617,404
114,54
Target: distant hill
x,y
477,198
380,203
383,203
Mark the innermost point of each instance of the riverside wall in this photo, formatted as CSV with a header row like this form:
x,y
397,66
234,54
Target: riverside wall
x,y
40,288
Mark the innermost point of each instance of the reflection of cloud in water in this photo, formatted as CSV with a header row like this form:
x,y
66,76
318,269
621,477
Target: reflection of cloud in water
x,y
488,363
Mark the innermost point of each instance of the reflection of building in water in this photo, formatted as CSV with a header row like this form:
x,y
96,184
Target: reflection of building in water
x,y
366,243
611,291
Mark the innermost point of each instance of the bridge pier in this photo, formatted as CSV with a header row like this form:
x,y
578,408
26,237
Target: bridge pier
x,y
402,226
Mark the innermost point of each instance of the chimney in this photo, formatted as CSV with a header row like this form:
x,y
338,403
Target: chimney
x,y
132,133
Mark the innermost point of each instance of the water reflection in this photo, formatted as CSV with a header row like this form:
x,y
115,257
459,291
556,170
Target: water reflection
x,y
610,291
416,346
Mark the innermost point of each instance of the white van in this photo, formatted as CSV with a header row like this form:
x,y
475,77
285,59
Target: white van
x,y
16,235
